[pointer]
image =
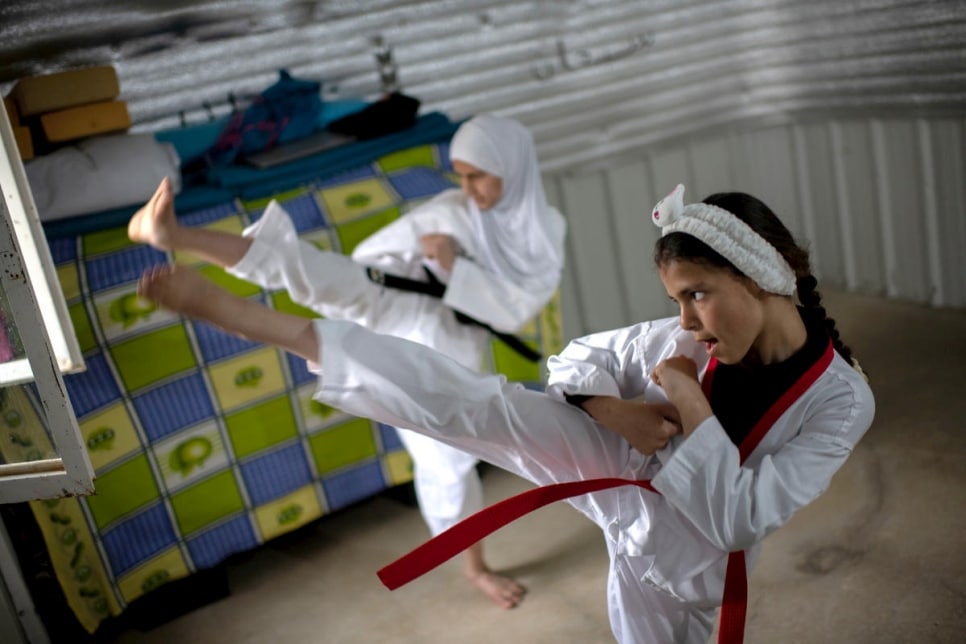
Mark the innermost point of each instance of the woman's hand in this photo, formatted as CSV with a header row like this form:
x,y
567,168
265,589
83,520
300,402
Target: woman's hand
x,y
678,377
646,426
442,248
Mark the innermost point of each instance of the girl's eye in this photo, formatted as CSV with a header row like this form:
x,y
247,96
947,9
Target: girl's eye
x,y
697,296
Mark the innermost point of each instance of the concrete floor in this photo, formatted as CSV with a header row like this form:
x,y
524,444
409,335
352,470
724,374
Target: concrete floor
x,y
879,558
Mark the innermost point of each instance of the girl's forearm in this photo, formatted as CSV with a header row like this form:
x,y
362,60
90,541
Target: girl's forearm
x,y
693,411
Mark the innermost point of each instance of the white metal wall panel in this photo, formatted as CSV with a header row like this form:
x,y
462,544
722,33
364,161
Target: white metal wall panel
x,y
570,301
632,197
712,160
946,141
765,168
592,245
819,203
859,213
900,191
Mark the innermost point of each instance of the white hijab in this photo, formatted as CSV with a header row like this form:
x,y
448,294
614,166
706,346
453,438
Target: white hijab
x,y
521,237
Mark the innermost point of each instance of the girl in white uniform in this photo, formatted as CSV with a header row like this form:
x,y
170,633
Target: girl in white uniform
x,y
738,412
496,244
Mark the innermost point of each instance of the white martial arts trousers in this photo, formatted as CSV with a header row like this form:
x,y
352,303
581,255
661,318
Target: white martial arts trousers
x,y
446,481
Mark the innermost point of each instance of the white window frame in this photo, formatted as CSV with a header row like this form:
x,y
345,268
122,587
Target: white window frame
x,y
40,313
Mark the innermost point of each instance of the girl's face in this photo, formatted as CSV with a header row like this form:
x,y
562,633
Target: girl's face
x,y
483,188
720,309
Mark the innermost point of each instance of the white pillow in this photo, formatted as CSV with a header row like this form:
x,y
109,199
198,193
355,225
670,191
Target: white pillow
x,y
101,173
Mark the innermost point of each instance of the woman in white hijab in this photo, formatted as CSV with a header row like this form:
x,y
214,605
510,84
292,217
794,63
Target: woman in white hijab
x,y
496,245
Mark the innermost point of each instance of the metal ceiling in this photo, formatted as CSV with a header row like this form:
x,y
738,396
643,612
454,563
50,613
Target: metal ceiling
x,y
593,78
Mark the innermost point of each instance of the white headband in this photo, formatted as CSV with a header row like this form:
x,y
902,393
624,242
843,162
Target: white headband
x,y
732,238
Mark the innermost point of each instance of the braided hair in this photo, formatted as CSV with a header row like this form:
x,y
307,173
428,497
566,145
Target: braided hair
x,y
752,211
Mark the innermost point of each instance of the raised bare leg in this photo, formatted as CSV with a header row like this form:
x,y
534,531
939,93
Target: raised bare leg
x,y
187,292
156,224
502,590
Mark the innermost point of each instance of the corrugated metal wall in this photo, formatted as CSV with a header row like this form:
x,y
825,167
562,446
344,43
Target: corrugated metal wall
x,y
845,116
880,201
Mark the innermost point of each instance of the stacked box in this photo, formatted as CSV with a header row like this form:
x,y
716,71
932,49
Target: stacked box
x,y
21,133
69,105
52,92
85,120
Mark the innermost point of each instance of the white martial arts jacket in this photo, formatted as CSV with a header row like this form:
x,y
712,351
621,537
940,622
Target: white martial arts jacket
x,y
471,289
709,505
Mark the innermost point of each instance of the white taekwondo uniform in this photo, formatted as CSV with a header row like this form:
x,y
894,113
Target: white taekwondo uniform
x,y
668,551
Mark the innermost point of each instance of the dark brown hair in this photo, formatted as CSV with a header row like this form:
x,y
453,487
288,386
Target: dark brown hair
x,y
752,211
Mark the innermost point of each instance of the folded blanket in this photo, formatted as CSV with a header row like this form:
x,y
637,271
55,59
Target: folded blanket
x,y
101,173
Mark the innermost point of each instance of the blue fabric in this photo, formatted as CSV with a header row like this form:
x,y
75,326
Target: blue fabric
x,y
173,406
192,141
139,538
286,111
216,345
108,271
212,546
270,476
348,487
299,369
252,183
93,388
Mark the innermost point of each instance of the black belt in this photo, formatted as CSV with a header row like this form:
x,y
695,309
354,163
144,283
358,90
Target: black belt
x,y
435,288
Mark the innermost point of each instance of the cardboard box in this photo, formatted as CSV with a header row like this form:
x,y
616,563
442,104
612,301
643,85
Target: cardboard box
x,y
86,120
12,113
21,133
52,92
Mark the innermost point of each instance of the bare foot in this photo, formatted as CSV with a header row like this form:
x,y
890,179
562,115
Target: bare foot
x,y
505,592
155,223
179,289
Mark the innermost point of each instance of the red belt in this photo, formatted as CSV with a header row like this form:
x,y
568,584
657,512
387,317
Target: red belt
x,y
476,527
464,534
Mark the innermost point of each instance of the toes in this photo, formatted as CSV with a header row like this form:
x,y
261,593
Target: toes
x,y
163,187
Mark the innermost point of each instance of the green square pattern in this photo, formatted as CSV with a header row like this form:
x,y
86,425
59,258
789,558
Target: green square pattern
x,y
356,199
513,365
170,353
282,301
239,287
404,159
82,327
353,232
207,502
253,205
342,445
262,426
122,489
106,241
